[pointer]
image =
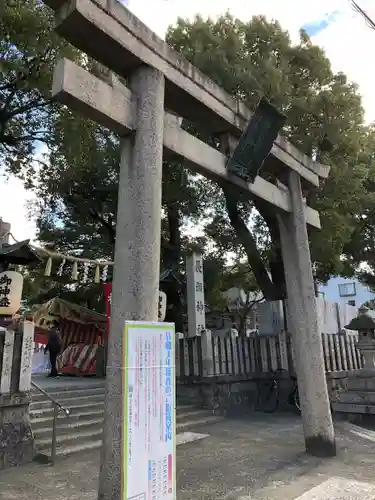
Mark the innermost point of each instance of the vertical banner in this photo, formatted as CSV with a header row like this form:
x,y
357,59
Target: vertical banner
x,y
149,418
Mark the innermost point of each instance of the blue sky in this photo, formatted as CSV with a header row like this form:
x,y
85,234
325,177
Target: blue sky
x,y
342,33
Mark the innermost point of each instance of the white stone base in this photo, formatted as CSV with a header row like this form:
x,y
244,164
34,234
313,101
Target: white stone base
x,y
189,437
338,488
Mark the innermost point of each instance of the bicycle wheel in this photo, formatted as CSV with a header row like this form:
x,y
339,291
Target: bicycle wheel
x,y
296,400
268,396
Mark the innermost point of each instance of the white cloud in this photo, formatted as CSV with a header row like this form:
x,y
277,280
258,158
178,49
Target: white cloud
x,y
348,43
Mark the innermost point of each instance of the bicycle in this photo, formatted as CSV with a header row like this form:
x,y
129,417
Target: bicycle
x,y
269,397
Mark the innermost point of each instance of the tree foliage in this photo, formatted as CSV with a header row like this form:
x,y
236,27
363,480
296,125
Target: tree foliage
x,y
76,186
28,51
77,201
256,59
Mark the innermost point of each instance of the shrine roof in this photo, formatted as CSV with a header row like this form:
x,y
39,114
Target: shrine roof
x,y
20,253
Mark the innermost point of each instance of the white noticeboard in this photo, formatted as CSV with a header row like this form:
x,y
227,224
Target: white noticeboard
x,y
149,438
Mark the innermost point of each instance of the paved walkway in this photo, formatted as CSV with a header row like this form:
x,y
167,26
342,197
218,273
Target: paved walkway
x,y
258,458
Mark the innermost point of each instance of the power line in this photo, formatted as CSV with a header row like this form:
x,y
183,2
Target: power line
x,y
365,16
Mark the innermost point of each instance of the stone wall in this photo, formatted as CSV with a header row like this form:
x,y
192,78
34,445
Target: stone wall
x,y
16,438
236,396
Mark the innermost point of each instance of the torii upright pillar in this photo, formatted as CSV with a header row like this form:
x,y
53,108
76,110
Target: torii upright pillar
x,y
304,328
137,256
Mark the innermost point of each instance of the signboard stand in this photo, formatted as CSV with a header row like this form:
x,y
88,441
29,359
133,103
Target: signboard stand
x,y
149,412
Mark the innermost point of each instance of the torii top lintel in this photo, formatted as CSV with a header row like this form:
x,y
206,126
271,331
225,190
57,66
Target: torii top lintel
x,y
107,31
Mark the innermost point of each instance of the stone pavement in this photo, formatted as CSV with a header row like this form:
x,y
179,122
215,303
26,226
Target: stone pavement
x,y
260,457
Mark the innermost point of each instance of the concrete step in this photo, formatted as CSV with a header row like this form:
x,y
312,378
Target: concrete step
x,y
68,436
192,414
359,383
67,450
73,409
67,402
188,425
71,438
67,393
79,442
354,408
358,397
82,430
67,426
46,421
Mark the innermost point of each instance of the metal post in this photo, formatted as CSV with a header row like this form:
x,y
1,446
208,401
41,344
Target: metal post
x,y
54,433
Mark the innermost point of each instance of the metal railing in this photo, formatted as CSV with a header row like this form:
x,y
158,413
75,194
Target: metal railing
x,y
57,407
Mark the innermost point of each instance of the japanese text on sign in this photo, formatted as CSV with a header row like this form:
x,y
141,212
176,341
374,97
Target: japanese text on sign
x,y
149,418
11,284
195,295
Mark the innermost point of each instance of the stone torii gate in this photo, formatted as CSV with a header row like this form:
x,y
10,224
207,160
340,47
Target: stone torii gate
x,y
159,79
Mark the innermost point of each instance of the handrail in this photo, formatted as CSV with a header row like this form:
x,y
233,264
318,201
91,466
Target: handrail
x,y
56,408
51,398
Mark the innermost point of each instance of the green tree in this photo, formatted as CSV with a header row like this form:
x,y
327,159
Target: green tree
x,y
29,49
77,201
77,188
221,277
256,59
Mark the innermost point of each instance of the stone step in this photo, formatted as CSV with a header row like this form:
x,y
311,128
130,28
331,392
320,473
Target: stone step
x,y
67,450
67,383
73,409
196,423
359,383
67,402
354,408
66,426
358,397
193,414
82,429
182,414
71,437
67,393
73,442
46,421
77,419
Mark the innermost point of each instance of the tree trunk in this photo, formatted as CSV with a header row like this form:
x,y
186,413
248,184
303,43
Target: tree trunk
x,y
275,260
172,256
246,239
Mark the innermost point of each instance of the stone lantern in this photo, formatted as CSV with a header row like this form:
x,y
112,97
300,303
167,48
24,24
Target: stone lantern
x,y
364,324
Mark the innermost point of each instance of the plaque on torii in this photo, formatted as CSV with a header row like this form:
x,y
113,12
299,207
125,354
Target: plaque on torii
x,y
159,79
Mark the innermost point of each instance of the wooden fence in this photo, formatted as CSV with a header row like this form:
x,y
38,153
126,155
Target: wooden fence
x,y
16,349
252,356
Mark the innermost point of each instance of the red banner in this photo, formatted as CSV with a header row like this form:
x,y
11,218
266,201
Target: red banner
x,y
108,300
